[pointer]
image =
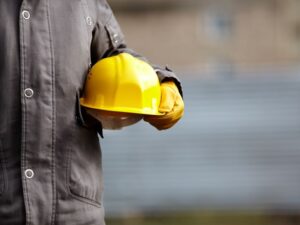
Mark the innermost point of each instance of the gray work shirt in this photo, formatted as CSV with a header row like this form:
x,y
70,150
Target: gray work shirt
x,y
50,161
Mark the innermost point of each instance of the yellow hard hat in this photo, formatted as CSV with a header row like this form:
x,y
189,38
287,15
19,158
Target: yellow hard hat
x,y
122,83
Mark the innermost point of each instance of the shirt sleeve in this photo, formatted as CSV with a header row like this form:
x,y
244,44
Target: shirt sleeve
x,y
108,40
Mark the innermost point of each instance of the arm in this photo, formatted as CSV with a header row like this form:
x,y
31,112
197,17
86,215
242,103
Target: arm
x,y
108,40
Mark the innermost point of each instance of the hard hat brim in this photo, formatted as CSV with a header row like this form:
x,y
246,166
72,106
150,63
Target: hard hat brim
x,y
144,111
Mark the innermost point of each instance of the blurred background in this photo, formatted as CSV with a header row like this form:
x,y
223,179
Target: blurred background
x,y
235,156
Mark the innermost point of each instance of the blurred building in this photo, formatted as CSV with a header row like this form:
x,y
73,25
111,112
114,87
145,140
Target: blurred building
x,y
237,147
198,34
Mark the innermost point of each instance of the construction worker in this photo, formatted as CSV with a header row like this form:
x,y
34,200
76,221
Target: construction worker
x,y
50,157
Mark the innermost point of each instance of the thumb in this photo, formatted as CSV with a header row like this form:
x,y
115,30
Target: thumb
x,y
168,97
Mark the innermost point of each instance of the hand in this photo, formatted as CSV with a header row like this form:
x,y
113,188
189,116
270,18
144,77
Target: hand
x,y
171,105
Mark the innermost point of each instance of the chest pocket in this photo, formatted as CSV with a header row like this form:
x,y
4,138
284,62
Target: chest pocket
x,y
2,170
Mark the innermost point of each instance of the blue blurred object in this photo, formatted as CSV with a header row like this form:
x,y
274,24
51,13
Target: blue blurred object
x,y
237,147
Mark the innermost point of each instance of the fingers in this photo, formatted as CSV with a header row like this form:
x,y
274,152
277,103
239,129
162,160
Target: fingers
x,y
168,97
170,118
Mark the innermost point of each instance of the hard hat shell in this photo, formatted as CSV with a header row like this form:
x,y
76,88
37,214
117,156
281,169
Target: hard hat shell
x,y
122,83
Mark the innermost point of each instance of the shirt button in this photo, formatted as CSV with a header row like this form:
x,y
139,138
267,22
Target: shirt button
x,y
89,20
28,92
26,14
115,38
29,173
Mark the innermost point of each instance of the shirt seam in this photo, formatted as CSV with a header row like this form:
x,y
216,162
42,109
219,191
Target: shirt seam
x,y
53,118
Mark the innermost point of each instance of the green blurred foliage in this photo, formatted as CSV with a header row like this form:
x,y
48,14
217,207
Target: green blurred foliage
x,y
207,218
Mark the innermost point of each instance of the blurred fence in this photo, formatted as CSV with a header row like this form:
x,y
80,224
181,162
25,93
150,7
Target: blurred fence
x,y
237,147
